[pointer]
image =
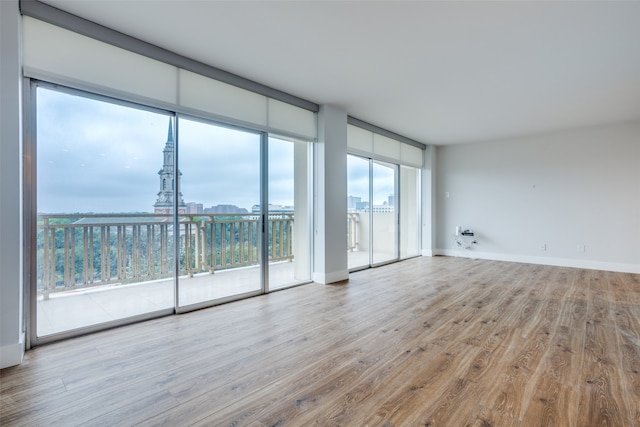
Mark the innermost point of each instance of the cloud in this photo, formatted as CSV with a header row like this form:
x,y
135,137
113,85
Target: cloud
x,y
95,156
358,177
383,176
219,165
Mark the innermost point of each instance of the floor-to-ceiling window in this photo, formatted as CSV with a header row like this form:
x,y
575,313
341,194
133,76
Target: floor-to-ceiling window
x,y
143,212
158,189
289,243
409,211
358,208
384,212
372,216
101,253
219,212
383,188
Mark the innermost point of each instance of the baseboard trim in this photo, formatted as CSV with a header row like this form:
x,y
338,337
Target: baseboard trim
x,y
528,259
334,276
12,354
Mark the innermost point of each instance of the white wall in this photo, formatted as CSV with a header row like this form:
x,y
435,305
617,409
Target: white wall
x,y
11,336
562,190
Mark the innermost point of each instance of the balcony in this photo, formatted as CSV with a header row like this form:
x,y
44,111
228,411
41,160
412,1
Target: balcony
x,y
95,268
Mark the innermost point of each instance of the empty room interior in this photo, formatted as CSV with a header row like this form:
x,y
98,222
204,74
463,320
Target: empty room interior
x,y
333,213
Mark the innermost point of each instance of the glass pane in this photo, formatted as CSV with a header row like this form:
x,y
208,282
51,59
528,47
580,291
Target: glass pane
x,y
383,213
358,185
102,255
220,213
409,212
288,227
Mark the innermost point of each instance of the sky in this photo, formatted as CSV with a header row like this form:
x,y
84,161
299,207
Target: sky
x,y
96,156
358,179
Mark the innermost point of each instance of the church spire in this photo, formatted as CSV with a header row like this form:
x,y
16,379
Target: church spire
x,y
170,135
164,203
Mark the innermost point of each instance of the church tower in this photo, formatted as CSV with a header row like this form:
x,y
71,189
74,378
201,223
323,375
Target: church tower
x,y
164,204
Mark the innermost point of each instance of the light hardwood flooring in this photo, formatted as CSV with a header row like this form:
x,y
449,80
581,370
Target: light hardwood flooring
x,y
425,342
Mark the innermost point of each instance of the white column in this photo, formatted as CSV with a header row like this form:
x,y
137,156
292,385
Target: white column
x,y
429,201
11,333
330,197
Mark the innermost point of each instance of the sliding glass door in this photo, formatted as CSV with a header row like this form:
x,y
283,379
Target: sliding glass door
x,y
289,245
372,215
358,217
384,213
101,254
219,213
409,212
138,212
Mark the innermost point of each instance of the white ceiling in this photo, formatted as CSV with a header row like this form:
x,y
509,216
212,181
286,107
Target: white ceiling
x,y
437,72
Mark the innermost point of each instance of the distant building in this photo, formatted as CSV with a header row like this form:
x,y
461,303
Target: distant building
x,y
164,203
386,206
352,203
194,208
225,209
355,204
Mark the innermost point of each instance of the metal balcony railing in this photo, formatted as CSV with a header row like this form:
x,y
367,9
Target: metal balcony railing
x,y
353,238
84,250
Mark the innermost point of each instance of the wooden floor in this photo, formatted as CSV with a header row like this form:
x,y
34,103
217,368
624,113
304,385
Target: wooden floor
x,y
425,342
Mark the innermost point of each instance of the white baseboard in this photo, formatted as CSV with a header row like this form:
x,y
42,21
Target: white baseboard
x,y
12,354
528,259
335,276
427,252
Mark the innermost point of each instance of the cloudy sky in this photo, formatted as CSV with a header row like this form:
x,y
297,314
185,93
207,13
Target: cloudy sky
x,y
358,179
101,157
95,156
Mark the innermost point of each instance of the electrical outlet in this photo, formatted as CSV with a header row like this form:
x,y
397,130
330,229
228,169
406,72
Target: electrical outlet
x,y
581,248
543,247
